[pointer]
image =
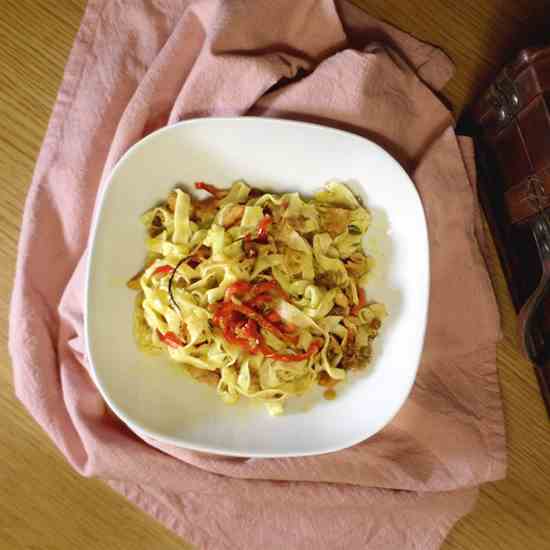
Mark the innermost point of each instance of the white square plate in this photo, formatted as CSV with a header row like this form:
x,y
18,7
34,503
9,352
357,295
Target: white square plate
x,y
152,395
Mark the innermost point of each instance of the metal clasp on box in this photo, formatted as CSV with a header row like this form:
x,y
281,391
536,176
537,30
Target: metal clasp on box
x,y
504,97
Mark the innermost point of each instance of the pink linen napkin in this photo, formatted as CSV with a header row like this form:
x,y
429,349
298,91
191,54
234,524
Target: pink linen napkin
x,y
137,66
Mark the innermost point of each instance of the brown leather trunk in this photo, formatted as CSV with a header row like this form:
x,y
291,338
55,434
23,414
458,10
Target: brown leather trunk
x,y
511,128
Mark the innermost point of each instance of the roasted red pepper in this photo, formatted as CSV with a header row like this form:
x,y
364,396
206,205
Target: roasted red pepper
x,y
225,310
220,313
170,339
252,333
289,327
163,270
261,236
232,338
273,316
269,286
260,299
240,322
263,226
314,347
264,323
218,193
362,302
259,292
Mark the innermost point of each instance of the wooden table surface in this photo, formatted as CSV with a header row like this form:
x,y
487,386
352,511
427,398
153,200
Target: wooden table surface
x,y
44,505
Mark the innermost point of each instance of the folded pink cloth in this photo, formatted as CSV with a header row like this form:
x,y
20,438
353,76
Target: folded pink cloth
x,y
140,65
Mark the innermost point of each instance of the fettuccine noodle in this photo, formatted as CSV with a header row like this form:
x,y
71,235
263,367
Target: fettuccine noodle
x,y
259,295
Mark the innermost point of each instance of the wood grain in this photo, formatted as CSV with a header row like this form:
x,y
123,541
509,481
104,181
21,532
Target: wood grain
x,y
43,503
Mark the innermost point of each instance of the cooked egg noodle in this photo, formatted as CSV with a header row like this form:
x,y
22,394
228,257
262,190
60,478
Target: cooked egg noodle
x,y
308,264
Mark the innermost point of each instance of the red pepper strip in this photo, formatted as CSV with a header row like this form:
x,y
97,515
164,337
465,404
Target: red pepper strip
x,y
163,270
253,343
269,286
221,312
232,338
252,333
170,339
263,227
264,323
240,288
260,299
314,347
362,302
273,316
229,325
236,328
209,189
261,234
289,327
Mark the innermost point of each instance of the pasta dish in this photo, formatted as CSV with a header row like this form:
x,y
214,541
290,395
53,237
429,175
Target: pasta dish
x,y
260,295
